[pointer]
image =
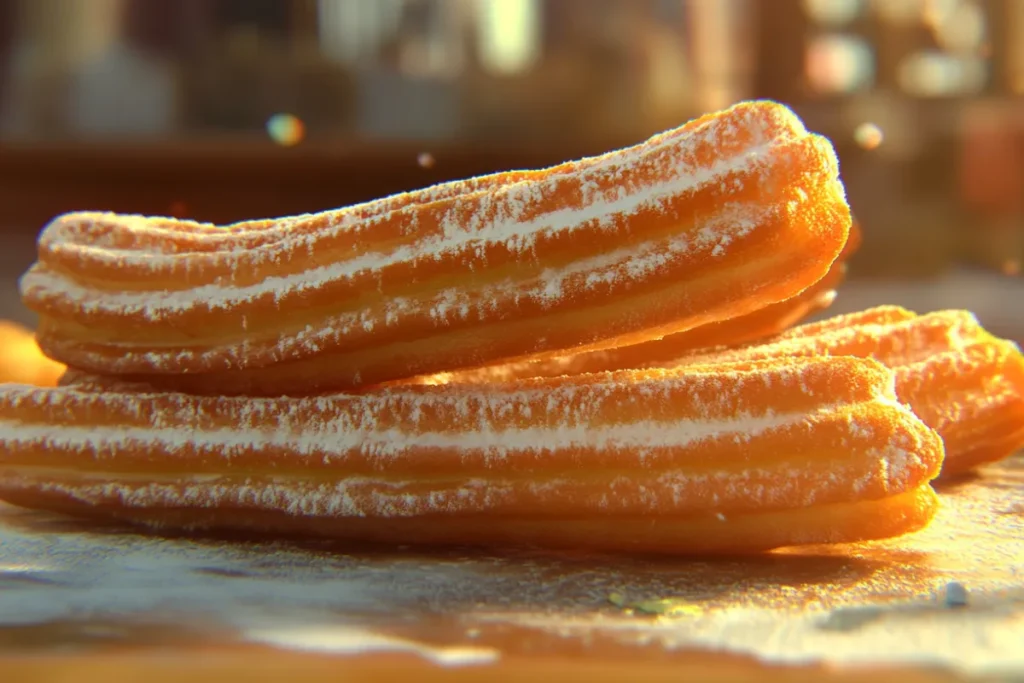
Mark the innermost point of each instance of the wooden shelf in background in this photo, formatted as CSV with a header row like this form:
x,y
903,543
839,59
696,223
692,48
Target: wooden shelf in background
x,y
223,180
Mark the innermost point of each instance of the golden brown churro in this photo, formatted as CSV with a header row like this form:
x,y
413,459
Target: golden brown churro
x,y
726,215
718,458
962,381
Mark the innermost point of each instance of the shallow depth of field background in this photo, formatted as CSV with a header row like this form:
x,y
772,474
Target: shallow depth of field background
x,y
229,109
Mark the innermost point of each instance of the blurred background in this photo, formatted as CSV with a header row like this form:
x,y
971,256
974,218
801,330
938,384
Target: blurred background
x,y
222,110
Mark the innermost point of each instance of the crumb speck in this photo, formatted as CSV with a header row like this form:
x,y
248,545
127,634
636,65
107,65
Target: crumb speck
x,y
955,594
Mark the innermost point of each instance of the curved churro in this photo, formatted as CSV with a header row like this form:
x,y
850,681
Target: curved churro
x,y
21,361
965,383
766,322
720,218
719,458
769,321
761,324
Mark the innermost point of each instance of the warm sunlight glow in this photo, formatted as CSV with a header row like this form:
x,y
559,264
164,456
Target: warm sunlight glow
x,y
509,34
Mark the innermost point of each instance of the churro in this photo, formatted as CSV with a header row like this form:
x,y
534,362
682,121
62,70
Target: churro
x,y
769,321
718,219
962,381
965,383
730,457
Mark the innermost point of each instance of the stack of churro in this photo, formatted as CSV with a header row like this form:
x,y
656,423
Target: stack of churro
x,y
596,355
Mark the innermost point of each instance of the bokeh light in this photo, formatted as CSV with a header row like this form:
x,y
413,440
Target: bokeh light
x,y
900,12
961,29
868,135
935,74
840,64
937,12
834,12
510,32
285,129
426,160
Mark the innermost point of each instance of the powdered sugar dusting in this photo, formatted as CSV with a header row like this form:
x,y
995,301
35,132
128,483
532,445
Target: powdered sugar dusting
x,y
628,442
672,492
594,235
331,440
787,608
742,134
904,341
735,221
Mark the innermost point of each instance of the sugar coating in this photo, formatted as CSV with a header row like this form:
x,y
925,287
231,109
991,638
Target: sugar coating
x,y
585,255
506,217
735,221
484,436
896,337
673,491
745,130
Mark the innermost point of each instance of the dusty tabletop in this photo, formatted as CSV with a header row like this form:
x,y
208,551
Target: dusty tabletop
x,y
947,602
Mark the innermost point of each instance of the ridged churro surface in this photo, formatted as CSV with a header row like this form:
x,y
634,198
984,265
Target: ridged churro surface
x,y
760,324
961,380
724,457
728,214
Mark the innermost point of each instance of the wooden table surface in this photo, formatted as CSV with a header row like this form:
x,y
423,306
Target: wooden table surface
x,y
86,603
